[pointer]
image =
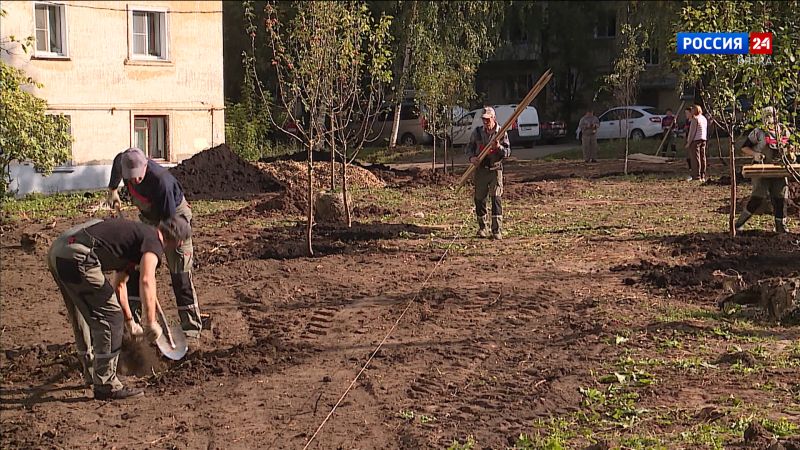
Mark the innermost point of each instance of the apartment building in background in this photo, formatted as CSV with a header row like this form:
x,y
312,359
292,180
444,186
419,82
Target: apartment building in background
x,y
145,74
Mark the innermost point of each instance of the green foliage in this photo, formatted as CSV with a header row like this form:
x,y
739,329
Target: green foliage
x,y
27,133
247,124
781,427
768,81
469,444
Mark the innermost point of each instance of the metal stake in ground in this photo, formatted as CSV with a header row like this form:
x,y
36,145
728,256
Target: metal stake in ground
x,y
543,80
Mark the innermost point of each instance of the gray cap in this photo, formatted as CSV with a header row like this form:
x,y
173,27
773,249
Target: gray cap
x,y
134,163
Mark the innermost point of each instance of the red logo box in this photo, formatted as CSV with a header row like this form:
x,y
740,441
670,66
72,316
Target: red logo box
x,y
760,44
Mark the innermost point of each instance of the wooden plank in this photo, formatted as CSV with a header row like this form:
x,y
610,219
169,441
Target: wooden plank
x,y
768,170
543,80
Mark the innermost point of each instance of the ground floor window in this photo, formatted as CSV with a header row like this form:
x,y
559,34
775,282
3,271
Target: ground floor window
x,y
150,135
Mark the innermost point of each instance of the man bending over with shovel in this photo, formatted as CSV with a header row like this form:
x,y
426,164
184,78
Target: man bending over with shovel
x,y
96,308
159,197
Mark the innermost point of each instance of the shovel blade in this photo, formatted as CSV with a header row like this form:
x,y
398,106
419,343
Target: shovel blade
x,y
178,338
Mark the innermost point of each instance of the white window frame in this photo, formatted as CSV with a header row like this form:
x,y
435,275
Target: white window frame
x,y
165,35
62,8
167,134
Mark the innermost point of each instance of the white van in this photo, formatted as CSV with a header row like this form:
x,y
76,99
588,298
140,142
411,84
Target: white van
x,y
524,130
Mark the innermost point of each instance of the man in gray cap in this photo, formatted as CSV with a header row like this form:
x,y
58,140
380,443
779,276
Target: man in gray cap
x,y
159,197
489,173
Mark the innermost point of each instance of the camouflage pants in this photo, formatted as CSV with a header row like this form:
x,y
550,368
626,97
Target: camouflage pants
x,y
92,306
180,262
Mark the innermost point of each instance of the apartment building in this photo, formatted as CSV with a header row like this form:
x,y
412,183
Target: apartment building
x,y
145,74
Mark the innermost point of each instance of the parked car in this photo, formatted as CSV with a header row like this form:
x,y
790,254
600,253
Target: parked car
x,y
553,130
412,130
643,122
524,130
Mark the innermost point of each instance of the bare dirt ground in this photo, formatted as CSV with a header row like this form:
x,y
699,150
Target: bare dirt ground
x,y
593,323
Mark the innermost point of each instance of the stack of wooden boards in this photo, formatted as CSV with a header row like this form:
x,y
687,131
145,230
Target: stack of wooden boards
x,y
767,170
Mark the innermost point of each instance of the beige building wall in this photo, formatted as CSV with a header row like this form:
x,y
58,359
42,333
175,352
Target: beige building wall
x,y
102,86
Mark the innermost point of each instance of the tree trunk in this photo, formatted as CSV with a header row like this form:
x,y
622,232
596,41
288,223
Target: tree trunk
x,y
399,99
444,160
433,136
732,215
333,159
310,221
627,138
344,190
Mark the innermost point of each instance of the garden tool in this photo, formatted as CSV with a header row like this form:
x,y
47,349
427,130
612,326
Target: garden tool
x,y
172,342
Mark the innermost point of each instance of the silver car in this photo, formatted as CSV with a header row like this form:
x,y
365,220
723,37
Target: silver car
x,y
412,130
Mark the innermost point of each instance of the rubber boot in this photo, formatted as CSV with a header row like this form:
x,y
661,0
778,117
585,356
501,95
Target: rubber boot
x,y
497,227
743,218
483,232
781,226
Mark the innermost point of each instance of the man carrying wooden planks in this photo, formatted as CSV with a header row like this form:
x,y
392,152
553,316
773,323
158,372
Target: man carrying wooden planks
x,y
489,172
765,148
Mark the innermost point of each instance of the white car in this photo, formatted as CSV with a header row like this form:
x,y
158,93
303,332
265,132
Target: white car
x,y
525,128
643,122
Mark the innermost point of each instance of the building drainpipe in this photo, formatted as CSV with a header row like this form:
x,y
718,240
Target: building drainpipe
x,y
212,126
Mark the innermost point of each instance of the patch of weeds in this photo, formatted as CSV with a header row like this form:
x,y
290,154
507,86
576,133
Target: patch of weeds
x,y
709,435
558,432
40,206
664,344
672,314
744,369
406,414
205,207
409,416
692,363
781,427
724,333
425,419
469,444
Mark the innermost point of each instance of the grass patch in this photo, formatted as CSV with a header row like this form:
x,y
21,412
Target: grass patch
x,y
385,155
205,207
41,206
615,149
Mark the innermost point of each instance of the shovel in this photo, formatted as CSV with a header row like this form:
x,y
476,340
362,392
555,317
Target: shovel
x,y
172,341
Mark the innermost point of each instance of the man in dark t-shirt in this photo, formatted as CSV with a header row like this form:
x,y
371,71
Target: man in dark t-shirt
x,y
158,196
99,310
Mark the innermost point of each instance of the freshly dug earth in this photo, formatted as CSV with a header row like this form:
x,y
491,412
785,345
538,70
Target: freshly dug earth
x,y
596,316
218,173
293,176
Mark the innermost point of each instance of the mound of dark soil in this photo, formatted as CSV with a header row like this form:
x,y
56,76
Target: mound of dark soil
x,y
220,174
755,255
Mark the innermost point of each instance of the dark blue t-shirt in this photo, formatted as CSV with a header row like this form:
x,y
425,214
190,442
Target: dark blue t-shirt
x,y
159,190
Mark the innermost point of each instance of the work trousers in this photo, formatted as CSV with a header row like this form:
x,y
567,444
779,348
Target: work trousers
x,y
92,306
697,159
776,189
489,182
180,262
589,146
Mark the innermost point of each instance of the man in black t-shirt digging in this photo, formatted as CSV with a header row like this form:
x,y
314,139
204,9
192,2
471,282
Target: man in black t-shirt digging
x,y
96,308
159,196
